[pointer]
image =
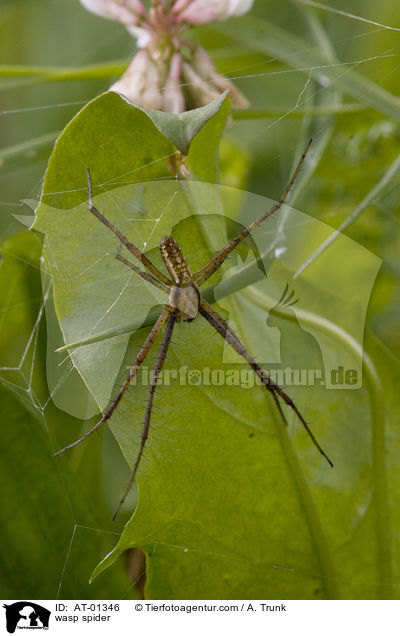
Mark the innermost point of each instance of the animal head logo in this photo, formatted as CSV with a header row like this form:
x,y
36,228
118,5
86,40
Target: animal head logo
x,y
26,615
282,307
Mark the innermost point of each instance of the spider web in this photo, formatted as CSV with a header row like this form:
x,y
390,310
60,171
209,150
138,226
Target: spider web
x,y
19,376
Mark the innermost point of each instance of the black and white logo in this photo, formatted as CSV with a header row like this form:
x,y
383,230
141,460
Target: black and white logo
x,y
26,615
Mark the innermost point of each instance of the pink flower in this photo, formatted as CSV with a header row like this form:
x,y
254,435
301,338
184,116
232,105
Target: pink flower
x,y
205,11
126,11
141,82
169,73
173,98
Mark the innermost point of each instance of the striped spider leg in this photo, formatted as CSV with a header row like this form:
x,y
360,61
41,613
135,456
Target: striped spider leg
x,y
226,332
184,303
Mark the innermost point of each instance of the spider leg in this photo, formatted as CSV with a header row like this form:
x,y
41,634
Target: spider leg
x,y
210,309
130,246
269,384
145,431
140,358
208,270
144,275
203,303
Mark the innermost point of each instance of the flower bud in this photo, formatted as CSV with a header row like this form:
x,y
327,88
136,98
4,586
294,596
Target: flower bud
x,y
199,90
141,82
203,65
173,97
206,11
128,12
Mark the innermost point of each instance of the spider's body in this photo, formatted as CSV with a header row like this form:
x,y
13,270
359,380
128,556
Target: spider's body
x,y
175,261
184,303
184,296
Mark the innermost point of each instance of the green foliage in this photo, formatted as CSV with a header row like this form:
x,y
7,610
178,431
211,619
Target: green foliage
x,y
84,305
40,499
256,472
50,530
230,503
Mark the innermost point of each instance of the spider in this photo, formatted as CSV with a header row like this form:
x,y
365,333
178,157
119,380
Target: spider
x,y
185,302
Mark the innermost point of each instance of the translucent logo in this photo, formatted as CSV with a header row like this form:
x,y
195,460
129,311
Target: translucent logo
x,y
303,329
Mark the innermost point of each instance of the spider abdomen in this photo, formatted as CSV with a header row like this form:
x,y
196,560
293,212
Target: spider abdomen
x,y
186,301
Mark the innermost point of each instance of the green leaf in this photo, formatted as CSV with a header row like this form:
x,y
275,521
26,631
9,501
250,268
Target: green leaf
x,y
56,73
181,128
131,150
105,145
233,534
215,428
274,520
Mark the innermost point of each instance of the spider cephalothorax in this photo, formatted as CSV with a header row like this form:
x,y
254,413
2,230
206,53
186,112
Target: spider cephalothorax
x,y
185,302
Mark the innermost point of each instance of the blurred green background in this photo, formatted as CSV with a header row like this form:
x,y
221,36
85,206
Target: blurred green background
x,y
55,57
